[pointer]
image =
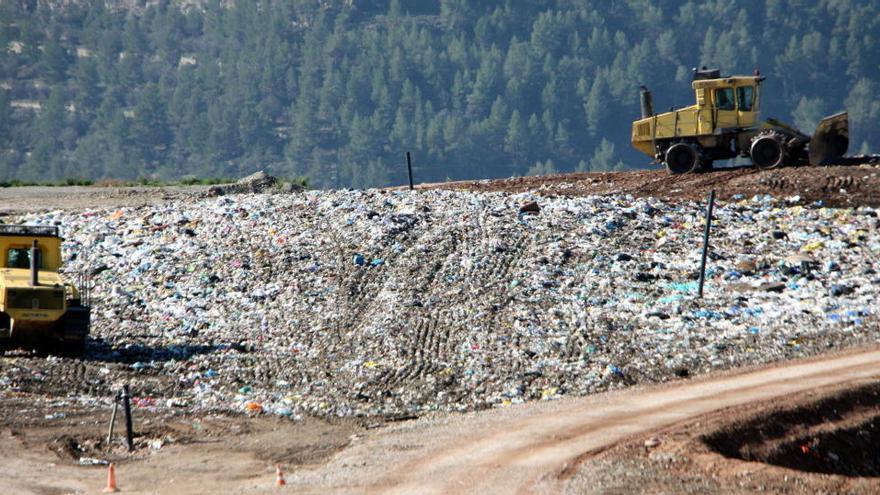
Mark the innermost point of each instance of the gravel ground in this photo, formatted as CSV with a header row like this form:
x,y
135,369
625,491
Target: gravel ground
x,y
798,435
397,303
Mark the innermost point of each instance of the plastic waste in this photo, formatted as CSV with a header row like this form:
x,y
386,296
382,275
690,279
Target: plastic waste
x,y
258,302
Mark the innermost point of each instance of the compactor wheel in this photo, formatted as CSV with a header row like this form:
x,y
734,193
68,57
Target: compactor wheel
x,y
682,158
768,150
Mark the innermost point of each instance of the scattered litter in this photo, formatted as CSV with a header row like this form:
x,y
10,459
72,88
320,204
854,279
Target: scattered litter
x,y
395,303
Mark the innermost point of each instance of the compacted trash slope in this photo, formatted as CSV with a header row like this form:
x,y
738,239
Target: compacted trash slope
x,y
397,303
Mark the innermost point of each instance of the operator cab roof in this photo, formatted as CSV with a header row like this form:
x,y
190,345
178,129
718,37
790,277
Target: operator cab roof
x,y
727,82
29,230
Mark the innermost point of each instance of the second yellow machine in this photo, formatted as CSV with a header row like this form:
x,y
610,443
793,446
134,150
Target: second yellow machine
x,y
40,307
724,124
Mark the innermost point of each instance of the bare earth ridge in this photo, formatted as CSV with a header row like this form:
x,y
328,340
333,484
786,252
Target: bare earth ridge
x,y
536,448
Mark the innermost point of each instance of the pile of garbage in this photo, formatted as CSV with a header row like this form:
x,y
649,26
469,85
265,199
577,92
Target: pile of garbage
x,y
257,182
394,303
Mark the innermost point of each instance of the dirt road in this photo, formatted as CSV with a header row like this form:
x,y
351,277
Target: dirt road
x,y
543,447
535,448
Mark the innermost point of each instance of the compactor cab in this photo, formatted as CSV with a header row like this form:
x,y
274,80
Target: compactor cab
x,y
723,124
39,309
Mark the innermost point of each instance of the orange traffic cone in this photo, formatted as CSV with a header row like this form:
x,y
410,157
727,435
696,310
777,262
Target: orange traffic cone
x,y
111,480
279,476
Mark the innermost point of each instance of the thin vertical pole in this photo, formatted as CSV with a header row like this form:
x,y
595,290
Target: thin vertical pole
x,y
409,169
126,406
706,241
112,420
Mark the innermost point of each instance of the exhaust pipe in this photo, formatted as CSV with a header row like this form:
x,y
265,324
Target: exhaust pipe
x,y
647,103
35,265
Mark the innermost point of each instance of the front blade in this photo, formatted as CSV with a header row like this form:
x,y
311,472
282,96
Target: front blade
x,y
831,140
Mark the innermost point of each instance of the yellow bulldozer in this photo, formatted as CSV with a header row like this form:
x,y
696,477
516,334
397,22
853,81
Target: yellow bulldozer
x,y
40,307
723,124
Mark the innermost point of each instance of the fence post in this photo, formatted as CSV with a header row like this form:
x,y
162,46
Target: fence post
x,y
706,241
126,406
112,420
409,169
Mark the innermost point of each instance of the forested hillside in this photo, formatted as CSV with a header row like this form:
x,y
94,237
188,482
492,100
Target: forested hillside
x,y
339,90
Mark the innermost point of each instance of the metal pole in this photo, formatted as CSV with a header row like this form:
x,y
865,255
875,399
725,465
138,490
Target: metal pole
x,y
35,264
706,241
113,420
409,169
126,406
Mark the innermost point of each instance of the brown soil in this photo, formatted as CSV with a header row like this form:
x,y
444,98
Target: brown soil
x,y
836,435
844,185
53,445
31,199
822,441
841,186
596,444
733,432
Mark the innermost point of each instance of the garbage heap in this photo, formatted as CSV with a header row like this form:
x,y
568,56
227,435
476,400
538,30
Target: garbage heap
x,y
398,303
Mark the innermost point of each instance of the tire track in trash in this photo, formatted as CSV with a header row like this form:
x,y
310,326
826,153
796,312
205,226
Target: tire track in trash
x,y
431,346
419,319
428,348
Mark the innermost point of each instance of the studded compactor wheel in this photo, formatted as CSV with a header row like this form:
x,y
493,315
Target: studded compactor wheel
x,y
682,158
768,150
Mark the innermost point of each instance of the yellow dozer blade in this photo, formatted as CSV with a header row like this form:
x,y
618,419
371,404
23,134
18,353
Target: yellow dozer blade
x,y
831,139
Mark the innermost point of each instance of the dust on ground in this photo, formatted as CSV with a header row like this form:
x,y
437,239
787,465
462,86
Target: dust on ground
x,y
30,199
55,445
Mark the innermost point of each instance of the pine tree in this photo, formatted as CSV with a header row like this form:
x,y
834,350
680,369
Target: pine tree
x,y
595,106
603,159
516,139
55,60
476,88
149,128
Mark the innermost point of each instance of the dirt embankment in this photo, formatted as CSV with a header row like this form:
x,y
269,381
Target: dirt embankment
x,y
58,446
820,441
842,186
839,186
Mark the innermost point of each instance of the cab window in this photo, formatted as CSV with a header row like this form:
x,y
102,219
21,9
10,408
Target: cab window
x,y
724,99
744,97
19,258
